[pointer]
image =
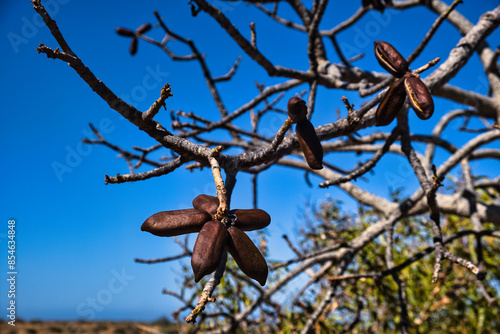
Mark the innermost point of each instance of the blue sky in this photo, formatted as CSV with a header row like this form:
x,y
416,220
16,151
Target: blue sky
x,y
76,236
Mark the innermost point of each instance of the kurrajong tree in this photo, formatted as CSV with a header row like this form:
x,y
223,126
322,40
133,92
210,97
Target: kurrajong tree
x,y
406,264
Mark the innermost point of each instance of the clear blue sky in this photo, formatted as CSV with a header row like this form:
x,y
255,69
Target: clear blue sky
x,y
77,237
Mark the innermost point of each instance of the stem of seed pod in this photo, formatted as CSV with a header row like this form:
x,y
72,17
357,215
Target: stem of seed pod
x,y
219,183
281,133
426,66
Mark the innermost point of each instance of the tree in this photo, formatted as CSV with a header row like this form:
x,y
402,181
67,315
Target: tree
x,y
374,272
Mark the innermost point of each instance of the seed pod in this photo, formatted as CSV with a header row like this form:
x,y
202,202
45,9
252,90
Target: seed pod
x,y
133,46
124,32
143,28
206,203
310,144
419,96
170,223
251,219
391,104
247,255
207,251
390,59
297,110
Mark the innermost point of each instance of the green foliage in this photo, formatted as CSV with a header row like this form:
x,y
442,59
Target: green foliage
x,y
456,303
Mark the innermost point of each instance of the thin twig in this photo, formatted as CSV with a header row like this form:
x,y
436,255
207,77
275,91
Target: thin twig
x,y
253,34
418,50
155,107
164,259
163,170
291,246
389,259
231,72
366,167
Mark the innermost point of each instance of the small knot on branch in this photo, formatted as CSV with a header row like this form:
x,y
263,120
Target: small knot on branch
x,y
112,179
216,152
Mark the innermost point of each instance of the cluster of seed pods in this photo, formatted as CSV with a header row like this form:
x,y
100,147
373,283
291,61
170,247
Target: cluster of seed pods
x,y
407,84
306,135
144,28
214,236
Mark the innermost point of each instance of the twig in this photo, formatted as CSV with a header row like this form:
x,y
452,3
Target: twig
x,y
254,190
155,107
285,22
464,49
201,60
228,126
363,92
389,259
314,278
247,106
51,24
339,51
129,156
163,170
291,246
428,189
464,263
253,34
330,293
414,258
431,32
231,72
435,217
470,195
307,256
315,47
366,167
347,23
495,183
311,99
164,259
426,66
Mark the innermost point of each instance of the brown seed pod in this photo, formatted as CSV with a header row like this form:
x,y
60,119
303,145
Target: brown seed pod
x,y
390,59
419,96
297,110
247,255
207,251
133,46
310,144
176,222
124,32
143,28
251,219
391,104
206,203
